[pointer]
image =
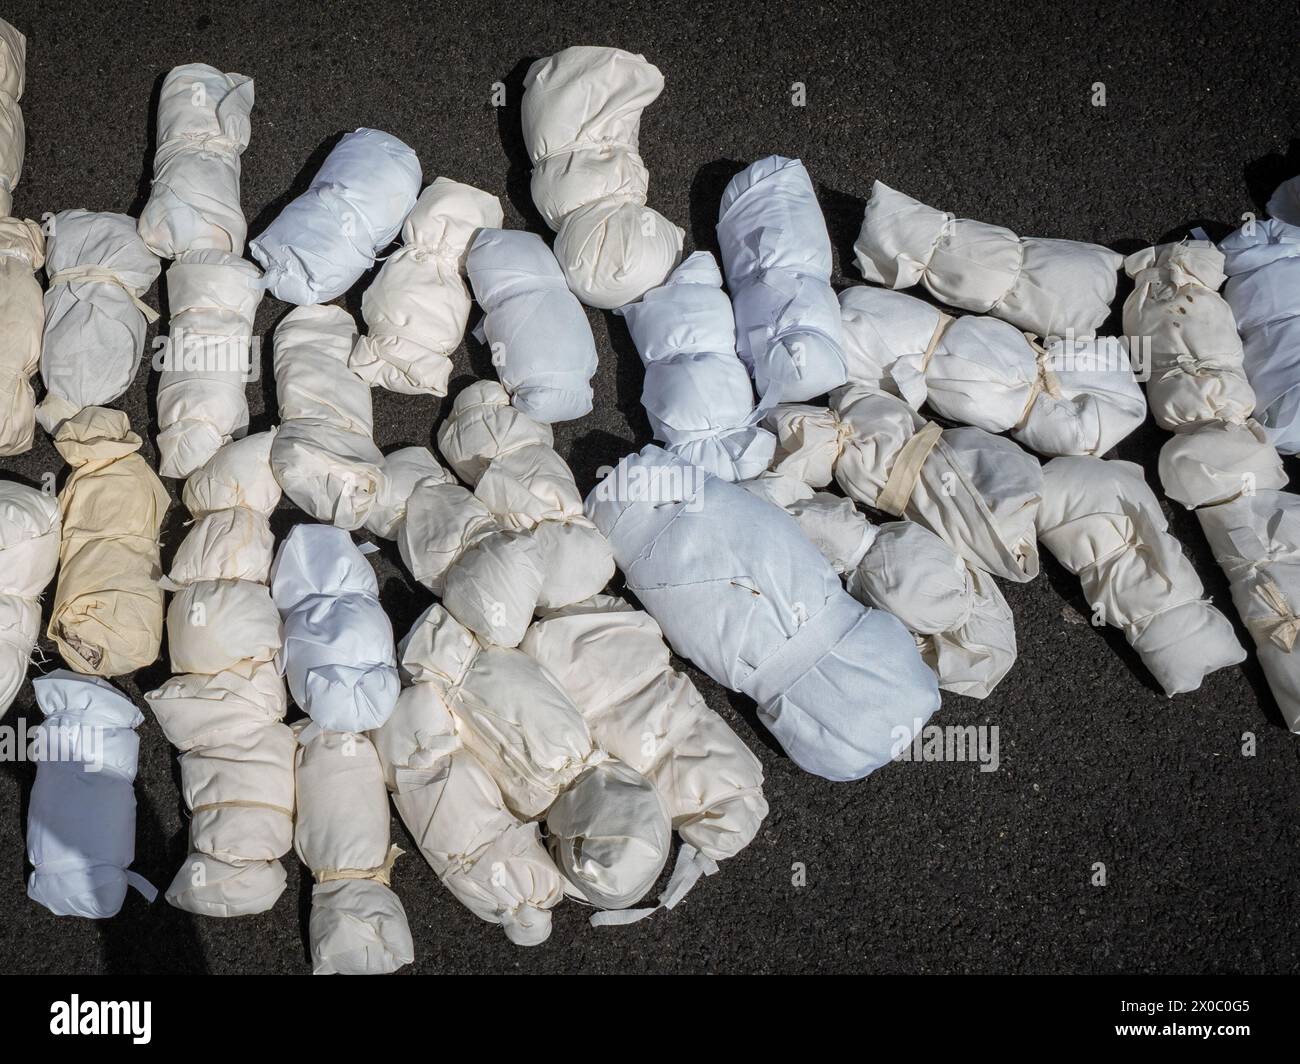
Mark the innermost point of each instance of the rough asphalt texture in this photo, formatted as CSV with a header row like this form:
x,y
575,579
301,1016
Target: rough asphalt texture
x,y
921,867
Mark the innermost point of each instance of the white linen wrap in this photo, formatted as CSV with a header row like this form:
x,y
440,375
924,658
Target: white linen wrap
x,y
13,139
22,323
29,556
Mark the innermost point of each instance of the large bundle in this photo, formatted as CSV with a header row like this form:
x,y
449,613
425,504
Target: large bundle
x,y
13,139
696,392
323,241
416,309
29,555
98,268
738,589
541,343
108,606
1050,287
777,256
582,121
81,820
1068,397
22,318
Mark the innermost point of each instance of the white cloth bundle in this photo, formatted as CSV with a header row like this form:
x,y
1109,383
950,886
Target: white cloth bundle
x,y
976,491
1068,397
13,141
416,309
697,393
1104,524
1263,290
1050,287
738,589
337,656
22,322
777,256
961,622
516,472
581,116
29,555
357,924
493,862
213,297
540,339
98,268
324,455
203,128
323,241
81,821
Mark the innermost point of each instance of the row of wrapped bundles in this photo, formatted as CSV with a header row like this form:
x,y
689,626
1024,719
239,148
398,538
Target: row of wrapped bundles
x,y
225,711
1049,287
29,556
1065,397
581,116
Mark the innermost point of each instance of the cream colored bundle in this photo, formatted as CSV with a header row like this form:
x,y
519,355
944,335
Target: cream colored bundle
x,y
357,925
417,308
98,268
13,140
1050,287
22,320
29,555
511,461
581,117
977,492
203,129
108,607
1103,523
213,297
493,862
1068,397
324,454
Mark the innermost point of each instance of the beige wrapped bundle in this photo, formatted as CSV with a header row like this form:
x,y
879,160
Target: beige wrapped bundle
x,y
977,492
1103,523
108,608
357,925
29,554
13,139
22,320
417,308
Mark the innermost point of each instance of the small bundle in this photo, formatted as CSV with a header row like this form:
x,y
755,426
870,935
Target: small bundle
x,y
1050,287
976,491
582,123
538,333
1068,397
98,268
416,309
696,392
29,555
323,241
738,589
108,606
22,320
81,820
777,256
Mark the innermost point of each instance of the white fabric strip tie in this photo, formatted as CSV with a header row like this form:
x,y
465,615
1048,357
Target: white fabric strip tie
x,y
91,274
690,868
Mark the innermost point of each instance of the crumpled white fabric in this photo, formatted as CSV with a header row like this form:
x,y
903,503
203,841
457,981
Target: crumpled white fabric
x,y
1104,524
538,333
29,555
416,308
203,128
22,322
325,239
976,491
516,472
581,115
98,269
777,256
738,589
1067,397
357,924
1050,287
1262,262
81,820
13,140
212,296
324,455
962,624
697,393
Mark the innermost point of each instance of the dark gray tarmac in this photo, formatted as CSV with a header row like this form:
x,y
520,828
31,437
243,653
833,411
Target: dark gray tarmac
x,y
982,110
